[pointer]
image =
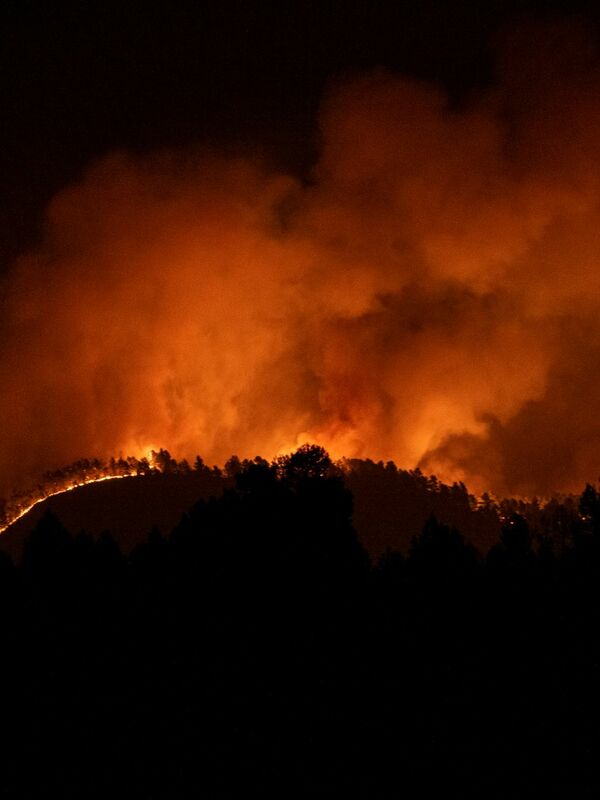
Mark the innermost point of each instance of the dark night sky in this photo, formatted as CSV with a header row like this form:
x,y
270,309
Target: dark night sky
x,y
78,80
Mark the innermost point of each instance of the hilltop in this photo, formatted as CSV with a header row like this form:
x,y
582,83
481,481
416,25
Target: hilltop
x,y
390,505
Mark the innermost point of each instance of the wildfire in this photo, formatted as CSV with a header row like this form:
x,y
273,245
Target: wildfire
x,y
431,297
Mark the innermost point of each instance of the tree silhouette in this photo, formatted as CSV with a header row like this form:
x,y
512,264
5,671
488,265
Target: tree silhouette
x,y
308,461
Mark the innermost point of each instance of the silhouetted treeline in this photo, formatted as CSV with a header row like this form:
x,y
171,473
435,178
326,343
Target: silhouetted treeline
x,y
257,650
391,505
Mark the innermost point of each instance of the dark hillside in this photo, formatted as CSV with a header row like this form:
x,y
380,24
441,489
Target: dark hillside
x,y
390,507
128,508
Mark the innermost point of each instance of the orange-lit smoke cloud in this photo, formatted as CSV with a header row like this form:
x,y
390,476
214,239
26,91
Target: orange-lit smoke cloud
x,y
432,296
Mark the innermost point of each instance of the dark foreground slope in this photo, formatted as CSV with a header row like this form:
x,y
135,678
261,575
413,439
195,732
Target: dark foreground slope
x,y
257,652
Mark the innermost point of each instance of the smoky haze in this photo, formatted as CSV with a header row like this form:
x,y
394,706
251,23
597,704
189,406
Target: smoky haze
x,y
431,295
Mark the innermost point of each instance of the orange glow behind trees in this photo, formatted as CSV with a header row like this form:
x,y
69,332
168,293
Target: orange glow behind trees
x,y
431,297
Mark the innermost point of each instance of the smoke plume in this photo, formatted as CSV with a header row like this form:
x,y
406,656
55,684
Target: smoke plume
x,y
431,296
